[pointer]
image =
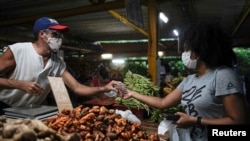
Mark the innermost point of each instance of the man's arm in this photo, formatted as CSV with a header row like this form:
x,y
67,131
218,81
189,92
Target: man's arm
x,y
84,90
7,66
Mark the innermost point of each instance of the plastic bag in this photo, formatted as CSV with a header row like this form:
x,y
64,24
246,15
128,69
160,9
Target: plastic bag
x,y
128,115
167,131
111,94
184,134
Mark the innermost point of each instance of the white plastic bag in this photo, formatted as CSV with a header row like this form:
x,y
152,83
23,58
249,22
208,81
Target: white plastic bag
x,y
111,94
128,115
184,134
167,131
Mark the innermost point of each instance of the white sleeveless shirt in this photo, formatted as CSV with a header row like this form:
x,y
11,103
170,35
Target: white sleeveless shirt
x,y
30,67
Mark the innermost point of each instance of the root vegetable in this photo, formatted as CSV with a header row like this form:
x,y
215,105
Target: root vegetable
x,y
9,130
27,135
87,117
84,111
97,123
111,111
100,117
111,135
103,110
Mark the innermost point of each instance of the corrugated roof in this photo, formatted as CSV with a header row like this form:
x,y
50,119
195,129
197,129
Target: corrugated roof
x,y
89,23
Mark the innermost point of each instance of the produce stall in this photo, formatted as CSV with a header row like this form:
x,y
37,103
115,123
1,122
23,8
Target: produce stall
x,y
83,123
96,119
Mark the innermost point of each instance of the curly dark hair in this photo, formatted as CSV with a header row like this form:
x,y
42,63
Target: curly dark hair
x,y
210,43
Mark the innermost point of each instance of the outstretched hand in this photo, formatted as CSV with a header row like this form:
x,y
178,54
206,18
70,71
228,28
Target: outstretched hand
x,y
111,84
126,95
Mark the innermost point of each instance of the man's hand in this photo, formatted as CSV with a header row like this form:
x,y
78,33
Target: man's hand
x,y
32,88
111,86
121,88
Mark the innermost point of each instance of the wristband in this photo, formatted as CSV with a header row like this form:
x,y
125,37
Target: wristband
x,y
198,121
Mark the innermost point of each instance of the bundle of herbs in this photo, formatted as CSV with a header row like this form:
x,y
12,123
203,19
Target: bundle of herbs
x,y
142,85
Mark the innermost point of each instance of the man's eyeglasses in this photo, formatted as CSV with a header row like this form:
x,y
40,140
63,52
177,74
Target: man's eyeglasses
x,y
55,33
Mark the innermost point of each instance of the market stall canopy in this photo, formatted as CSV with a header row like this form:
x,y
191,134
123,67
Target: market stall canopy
x,y
103,21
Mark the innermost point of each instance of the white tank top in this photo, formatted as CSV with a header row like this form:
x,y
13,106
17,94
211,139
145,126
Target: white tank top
x,y
30,67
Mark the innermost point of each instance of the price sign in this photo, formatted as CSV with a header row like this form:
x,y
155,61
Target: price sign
x,y
60,93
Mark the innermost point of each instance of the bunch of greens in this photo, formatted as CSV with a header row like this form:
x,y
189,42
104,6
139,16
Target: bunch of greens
x,y
140,84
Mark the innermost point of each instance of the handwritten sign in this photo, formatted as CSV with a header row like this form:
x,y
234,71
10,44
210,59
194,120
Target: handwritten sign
x,y
60,93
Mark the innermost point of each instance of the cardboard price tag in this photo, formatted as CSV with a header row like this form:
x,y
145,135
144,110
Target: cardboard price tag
x,y
60,93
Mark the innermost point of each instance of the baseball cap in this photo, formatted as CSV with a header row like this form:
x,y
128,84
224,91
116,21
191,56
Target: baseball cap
x,y
48,23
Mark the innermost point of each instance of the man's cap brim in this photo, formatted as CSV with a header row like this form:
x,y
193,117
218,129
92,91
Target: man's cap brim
x,y
61,28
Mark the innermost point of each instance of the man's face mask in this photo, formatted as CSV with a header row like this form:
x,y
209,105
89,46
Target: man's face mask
x,y
54,42
187,61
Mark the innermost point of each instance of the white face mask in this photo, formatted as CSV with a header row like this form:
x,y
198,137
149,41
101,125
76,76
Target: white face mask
x,y
54,43
187,61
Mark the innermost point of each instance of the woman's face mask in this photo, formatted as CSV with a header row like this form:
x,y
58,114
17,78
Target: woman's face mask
x,y
187,61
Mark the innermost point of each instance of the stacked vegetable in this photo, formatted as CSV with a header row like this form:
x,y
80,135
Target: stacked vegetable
x,y
140,84
97,123
171,85
30,130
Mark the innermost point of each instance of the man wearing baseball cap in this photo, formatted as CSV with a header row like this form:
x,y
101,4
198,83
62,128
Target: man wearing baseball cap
x,y
25,67
48,23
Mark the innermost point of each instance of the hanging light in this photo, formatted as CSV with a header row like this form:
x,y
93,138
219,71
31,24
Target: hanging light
x,y
163,17
118,61
176,33
107,56
160,53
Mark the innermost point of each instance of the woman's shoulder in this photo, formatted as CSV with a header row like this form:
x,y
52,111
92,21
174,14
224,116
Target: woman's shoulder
x,y
224,69
227,72
190,77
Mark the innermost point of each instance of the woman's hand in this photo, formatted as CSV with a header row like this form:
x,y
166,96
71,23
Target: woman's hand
x,y
126,95
185,120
